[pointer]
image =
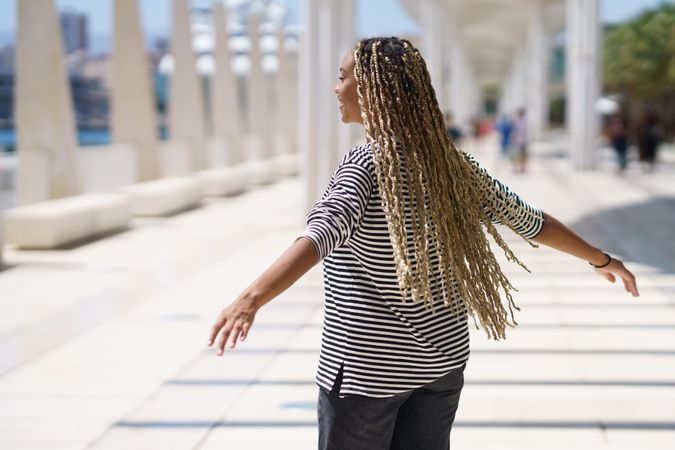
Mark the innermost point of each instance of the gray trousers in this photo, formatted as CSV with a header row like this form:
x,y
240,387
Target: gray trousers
x,y
420,419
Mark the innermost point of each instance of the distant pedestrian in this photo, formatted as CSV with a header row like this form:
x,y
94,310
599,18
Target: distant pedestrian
x,y
618,138
648,139
451,129
520,141
505,128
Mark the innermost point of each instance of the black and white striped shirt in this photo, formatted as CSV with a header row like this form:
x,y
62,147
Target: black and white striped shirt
x,y
386,346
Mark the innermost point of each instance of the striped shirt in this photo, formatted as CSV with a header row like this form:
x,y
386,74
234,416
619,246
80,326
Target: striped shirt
x,y
386,346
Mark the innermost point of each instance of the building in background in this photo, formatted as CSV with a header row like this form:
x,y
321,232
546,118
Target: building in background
x,y
75,31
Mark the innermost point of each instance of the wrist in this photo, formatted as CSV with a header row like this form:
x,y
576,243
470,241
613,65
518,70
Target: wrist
x,y
601,260
251,299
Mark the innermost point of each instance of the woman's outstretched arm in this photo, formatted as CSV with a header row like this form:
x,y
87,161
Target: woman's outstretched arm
x,y
235,320
330,223
556,235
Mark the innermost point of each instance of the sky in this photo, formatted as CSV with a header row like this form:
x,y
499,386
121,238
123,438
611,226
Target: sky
x,y
374,17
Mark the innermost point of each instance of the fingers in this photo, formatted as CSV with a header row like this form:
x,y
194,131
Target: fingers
x,y
626,276
628,279
232,325
629,283
244,331
236,332
223,338
233,333
214,331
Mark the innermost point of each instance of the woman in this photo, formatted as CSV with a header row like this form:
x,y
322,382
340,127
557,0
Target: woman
x,y
406,261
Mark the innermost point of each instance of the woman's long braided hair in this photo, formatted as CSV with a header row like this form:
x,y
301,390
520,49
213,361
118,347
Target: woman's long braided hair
x,y
448,196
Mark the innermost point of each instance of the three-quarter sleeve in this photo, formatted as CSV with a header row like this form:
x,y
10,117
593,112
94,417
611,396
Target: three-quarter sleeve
x,y
525,218
335,217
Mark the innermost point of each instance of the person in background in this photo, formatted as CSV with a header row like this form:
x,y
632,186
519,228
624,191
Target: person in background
x,y
485,126
648,138
452,129
504,127
520,140
618,138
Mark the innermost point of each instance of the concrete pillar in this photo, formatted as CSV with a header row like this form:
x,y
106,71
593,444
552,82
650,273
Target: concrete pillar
x,y
328,33
345,42
432,21
187,118
515,95
465,97
134,118
225,116
286,95
308,101
45,124
512,87
446,73
256,96
457,87
583,80
336,37
504,95
537,72
328,126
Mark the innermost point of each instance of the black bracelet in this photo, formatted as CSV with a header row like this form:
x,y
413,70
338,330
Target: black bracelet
x,y
609,260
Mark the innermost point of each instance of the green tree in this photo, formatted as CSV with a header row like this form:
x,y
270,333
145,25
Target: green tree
x,y
639,62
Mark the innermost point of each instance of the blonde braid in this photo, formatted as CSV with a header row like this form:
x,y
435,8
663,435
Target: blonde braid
x,y
450,199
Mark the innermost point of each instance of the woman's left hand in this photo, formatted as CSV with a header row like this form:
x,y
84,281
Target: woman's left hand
x,y
616,267
234,321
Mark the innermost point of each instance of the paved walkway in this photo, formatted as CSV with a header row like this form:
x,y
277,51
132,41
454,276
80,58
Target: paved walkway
x,y
102,346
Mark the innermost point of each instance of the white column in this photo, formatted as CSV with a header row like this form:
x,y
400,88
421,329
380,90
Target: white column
x,y
432,18
286,96
187,119
134,118
327,36
513,90
458,101
336,37
505,95
519,80
583,80
328,128
225,112
256,95
45,124
446,76
346,40
465,94
308,100
537,72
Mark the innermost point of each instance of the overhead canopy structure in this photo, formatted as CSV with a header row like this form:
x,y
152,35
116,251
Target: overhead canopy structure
x,y
473,44
491,31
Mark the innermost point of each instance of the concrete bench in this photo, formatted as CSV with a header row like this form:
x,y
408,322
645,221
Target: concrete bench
x,y
165,196
287,164
224,181
58,222
260,171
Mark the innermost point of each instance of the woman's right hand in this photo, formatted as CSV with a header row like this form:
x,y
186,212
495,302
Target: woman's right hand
x,y
616,268
234,322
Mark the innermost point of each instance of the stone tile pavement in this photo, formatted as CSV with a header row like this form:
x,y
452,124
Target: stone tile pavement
x,y
102,346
